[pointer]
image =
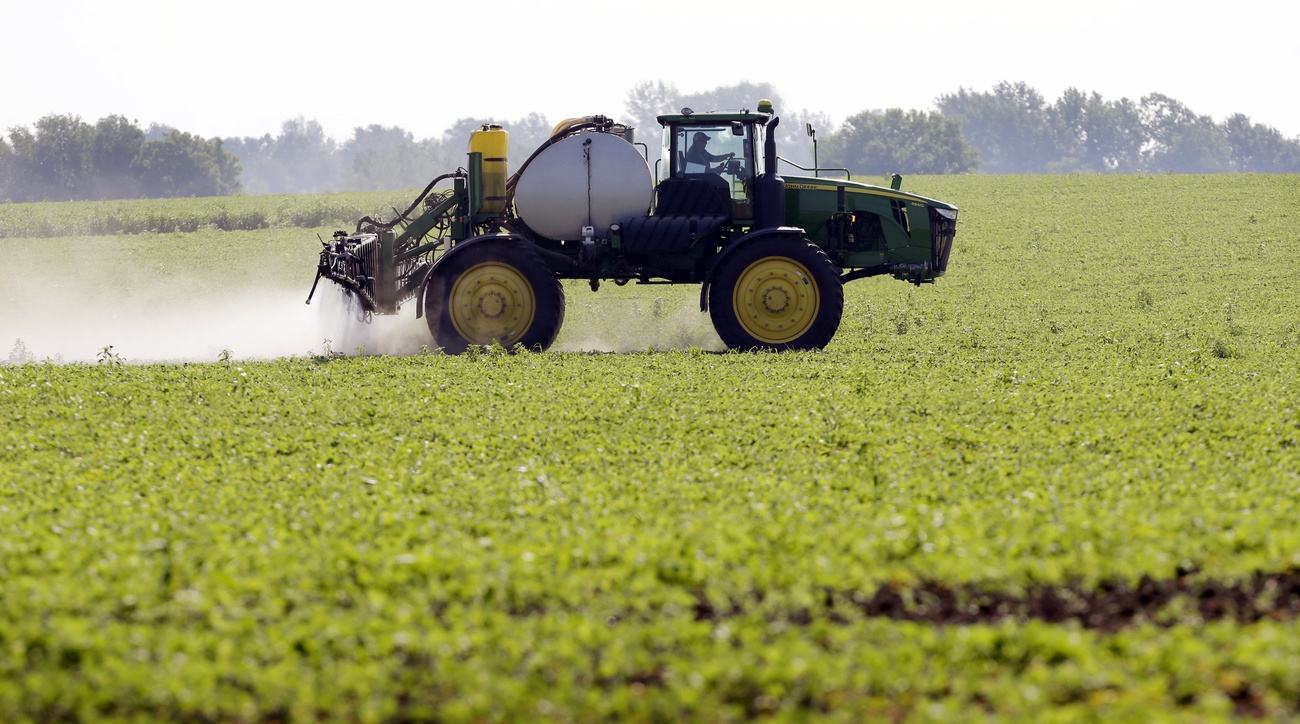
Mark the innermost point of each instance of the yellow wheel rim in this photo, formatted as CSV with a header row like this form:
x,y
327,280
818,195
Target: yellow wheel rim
x,y
776,300
492,302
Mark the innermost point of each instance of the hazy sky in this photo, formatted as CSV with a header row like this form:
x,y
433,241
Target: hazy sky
x,y
240,68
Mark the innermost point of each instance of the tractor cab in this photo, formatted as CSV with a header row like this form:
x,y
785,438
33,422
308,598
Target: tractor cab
x,y
714,151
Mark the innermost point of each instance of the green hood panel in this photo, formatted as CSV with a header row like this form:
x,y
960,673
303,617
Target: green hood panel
x,y
809,183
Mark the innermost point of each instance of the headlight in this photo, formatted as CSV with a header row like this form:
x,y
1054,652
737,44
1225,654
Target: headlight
x,y
950,214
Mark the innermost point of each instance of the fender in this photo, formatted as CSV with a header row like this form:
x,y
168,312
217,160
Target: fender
x,y
794,232
419,292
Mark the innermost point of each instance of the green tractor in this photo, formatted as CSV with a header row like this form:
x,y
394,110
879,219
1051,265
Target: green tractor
x,y
484,259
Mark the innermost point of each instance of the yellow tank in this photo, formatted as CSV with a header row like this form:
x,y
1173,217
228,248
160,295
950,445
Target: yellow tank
x,y
494,143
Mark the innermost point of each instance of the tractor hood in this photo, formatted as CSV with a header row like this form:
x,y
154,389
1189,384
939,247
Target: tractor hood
x,y
809,183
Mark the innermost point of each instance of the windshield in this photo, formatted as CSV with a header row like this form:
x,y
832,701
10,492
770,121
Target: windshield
x,y
722,149
706,149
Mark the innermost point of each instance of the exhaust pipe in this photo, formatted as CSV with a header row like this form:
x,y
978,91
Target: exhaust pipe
x,y
769,189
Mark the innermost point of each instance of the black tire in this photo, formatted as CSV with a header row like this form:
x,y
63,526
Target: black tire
x,y
776,293
494,291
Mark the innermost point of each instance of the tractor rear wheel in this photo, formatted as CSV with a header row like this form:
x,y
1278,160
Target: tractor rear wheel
x,y
776,294
494,292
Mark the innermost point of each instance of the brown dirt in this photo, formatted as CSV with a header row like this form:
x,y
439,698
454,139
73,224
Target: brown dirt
x,y
1186,598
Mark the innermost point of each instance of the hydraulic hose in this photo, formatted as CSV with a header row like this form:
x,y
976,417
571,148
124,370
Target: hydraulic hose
x,y
407,214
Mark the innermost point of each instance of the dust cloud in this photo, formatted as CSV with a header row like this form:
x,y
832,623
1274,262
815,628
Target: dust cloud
x,y
42,322
173,327
105,298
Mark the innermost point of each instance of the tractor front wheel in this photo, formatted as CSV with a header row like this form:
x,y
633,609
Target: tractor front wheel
x,y
776,293
494,292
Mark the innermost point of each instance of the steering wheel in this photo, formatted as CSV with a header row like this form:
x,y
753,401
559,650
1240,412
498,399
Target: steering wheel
x,y
728,166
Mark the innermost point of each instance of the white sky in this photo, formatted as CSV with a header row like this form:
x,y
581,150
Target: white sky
x,y
240,68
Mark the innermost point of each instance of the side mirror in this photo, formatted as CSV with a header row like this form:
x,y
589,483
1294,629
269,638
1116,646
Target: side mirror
x,y
811,132
737,128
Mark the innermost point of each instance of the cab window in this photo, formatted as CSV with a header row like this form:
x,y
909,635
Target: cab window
x,y
723,150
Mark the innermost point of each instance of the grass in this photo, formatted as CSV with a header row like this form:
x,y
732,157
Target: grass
x,y
1059,483
167,216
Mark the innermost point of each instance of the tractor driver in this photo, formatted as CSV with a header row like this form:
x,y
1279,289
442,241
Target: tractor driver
x,y
698,158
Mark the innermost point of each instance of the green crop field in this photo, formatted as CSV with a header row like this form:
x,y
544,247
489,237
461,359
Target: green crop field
x,y
164,216
1059,484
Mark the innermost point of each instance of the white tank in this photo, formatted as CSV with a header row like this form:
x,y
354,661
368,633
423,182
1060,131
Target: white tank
x,y
591,179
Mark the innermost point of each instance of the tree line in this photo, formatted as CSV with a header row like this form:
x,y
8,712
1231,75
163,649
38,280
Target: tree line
x,y
64,158
1013,129
1008,129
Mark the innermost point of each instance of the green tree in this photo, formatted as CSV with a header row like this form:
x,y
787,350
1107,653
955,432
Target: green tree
x,y
261,173
26,182
385,158
1095,135
1200,147
792,142
307,155
116,146
1009,126
158,131
301,159
6,170
183,165
1181,141
744,94
1256,148
53,162
526,134
647,100
900,141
